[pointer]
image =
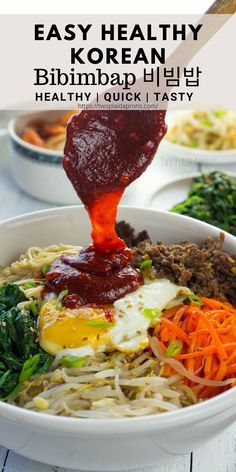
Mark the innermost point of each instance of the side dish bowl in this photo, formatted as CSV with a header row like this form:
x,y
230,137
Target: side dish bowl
x,y
176,152
37,170
109,444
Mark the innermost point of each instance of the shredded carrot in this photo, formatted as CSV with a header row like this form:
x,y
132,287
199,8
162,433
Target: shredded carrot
x,y
203,352
214,335
170,312
165,335
231,369
208,336
178,314
174,328
208,366
221,371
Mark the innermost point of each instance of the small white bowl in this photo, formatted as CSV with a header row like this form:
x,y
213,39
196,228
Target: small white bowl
x,y
109,444
177,152
39,171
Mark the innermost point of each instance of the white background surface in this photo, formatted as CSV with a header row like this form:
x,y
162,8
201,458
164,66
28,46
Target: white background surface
x,y
220,454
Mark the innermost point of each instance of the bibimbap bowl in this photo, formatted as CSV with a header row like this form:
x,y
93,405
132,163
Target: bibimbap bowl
x,y
117,443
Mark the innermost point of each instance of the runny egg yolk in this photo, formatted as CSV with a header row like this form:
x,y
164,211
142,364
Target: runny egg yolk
x,y
66,328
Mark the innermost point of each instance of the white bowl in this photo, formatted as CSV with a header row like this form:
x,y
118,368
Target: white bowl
x,y
178,152
109,444
39,171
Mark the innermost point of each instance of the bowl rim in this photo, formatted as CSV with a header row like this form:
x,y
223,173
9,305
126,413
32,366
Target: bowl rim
x,y
31,147
117,426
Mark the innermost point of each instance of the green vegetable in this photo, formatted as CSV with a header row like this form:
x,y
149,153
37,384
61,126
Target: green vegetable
x,y
18,346
59,299
146,264
10,295
98,324
33,283
34,308
219,113
29,284
29,367
194,144
206,122
211,198
152,313
8,384
71,361
37,364
45,269
174,348
4,377
196,299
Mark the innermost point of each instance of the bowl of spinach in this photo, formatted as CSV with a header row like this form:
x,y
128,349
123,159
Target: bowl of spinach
x,y
211,198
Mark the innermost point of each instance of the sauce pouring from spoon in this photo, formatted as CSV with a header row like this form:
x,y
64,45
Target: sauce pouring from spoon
x,y
105,151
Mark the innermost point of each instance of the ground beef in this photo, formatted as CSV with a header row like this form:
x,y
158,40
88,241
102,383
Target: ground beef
x,y
206,269
126,232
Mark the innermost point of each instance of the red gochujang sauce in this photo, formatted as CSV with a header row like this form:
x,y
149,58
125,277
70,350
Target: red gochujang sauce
x,y
104,152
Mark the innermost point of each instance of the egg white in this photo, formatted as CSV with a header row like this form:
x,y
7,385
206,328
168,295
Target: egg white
x,y
131,324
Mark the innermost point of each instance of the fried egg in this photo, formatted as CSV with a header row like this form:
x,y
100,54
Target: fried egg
x,y
131,315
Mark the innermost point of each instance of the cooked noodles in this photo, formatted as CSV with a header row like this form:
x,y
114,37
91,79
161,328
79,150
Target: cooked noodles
x,y
30,264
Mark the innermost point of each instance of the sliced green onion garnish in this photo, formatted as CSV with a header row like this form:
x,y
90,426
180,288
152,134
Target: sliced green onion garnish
x,y
99,324
152,313
206,122
29,284
219,113
196,299
34,308
174,348
71,361
61,295
29,366
45,269
193,144
145,264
